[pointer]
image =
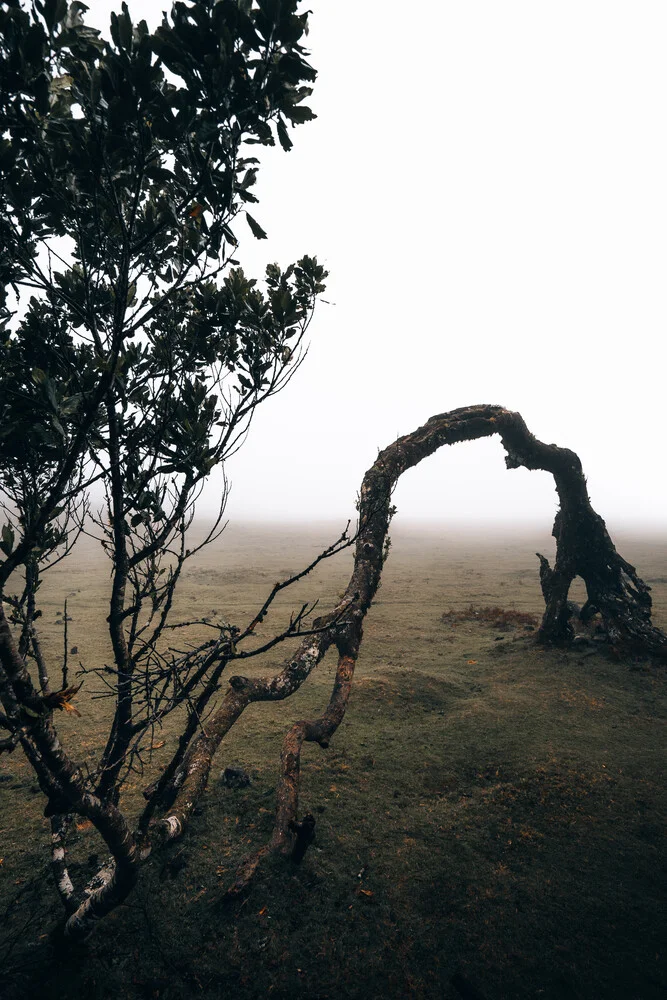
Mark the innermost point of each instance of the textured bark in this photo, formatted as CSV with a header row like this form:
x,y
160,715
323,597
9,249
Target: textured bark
x,y
583,548
290,836
8,700
18,692
63,783
59,870
122,875
192,776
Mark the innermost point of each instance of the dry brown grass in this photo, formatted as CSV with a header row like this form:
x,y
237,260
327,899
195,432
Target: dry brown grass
x,y
502,619
487,808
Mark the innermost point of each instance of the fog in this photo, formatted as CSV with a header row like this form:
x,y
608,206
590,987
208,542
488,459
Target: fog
x,y
486,185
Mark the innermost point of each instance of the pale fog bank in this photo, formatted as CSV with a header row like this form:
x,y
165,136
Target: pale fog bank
x,y
484,529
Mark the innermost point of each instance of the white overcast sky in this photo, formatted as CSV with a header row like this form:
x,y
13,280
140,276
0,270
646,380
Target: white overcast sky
x,y
487,184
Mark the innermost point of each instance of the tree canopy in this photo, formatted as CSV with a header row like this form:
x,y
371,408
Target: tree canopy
x,y
126,171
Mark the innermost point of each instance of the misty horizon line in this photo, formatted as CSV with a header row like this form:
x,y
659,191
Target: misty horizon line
x,y
472,523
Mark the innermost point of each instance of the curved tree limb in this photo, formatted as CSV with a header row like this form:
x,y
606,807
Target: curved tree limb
x,y
291,837
192,777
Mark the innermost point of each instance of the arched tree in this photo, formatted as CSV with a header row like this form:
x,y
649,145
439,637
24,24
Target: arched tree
x,y
617,597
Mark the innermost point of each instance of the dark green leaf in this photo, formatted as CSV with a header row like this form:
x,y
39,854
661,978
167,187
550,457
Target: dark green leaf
x,y
299,114
7,539
255,227
54,12
283,136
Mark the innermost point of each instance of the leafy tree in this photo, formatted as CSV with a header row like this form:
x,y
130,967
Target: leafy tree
x,y
141,353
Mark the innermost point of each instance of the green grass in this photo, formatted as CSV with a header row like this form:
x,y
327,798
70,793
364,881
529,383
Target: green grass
x,y
502,819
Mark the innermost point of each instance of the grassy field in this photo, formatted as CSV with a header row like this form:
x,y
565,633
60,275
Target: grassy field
x,y
490,815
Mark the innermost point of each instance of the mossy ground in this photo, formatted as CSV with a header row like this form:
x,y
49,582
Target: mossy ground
x,y
487,809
